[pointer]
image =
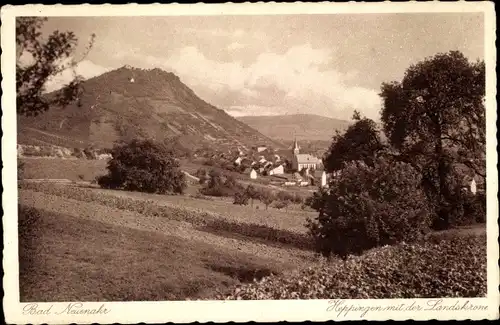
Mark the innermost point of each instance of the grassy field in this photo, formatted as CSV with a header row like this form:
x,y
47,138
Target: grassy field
x,y
291,221
56,168
66,258
76,248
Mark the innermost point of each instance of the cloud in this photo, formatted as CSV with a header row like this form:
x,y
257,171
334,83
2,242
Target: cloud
x,y
86,69
300,80
218,32
235,46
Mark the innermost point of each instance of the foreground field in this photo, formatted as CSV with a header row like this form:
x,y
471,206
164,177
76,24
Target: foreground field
x,y
70,258
88,244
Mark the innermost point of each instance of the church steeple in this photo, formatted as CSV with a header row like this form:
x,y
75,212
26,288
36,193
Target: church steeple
x,y
296,148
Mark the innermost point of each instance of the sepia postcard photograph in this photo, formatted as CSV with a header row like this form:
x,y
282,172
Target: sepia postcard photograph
x,y
249,162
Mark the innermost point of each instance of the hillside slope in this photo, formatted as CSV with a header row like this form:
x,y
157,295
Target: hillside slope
x,y
128,102
304,126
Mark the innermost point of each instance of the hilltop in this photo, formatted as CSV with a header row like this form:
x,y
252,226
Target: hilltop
x,y
304,126
128,103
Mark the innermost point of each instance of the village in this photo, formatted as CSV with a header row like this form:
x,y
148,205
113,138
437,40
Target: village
x,y
279,167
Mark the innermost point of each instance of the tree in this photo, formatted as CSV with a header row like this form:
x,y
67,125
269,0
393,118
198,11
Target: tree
x,y
367,207
267,197
220,185
361,141
241,198
252,193
144,166
435,118
38,60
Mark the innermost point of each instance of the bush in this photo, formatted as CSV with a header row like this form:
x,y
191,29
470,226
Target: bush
x,y
281,204
316,201
241,198
144,166
287,196
367,207
474,209
449,268
220,185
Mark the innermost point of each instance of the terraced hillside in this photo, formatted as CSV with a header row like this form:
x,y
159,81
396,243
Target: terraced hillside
x,y
128,103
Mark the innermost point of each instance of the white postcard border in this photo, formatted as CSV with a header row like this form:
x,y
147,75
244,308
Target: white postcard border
x,y
240,311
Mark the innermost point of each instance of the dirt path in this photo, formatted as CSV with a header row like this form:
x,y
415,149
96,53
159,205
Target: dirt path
x,y
94,211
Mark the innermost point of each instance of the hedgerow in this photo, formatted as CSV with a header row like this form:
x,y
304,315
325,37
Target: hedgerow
x,y
445,268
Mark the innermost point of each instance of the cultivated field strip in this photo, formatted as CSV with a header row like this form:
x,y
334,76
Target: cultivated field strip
x,y
206,219
291,220
162,224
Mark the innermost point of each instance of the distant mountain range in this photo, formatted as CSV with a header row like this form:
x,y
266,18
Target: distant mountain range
x,y
128,102
303,126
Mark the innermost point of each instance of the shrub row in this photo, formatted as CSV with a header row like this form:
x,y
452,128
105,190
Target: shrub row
x,y
210,221
453,267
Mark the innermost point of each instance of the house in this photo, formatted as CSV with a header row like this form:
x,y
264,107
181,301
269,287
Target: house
x,y
262,160
238,161
253,174
290,183
261,148
473,186
323,179
304,183
277,170
303,161
104,156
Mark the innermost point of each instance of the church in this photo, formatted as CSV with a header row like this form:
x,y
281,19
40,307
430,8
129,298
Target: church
x,y
302,160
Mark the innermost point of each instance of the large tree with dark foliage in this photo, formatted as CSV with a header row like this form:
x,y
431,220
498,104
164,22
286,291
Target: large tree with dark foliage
x,y
361,141
143,166
435,119
39,58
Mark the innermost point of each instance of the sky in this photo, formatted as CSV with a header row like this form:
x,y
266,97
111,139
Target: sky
x,y
328,65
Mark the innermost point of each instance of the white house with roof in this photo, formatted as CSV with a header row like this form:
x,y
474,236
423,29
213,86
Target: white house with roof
x,y
301,161
279,170
323,179
261,148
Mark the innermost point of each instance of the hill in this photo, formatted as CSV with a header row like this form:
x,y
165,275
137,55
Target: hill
x,y
129,102
304,126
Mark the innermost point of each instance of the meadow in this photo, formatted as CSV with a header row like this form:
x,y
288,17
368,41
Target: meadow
x,y
57,168
68,258
86,243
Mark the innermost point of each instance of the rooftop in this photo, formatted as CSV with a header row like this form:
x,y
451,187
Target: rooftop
x,y
306,158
